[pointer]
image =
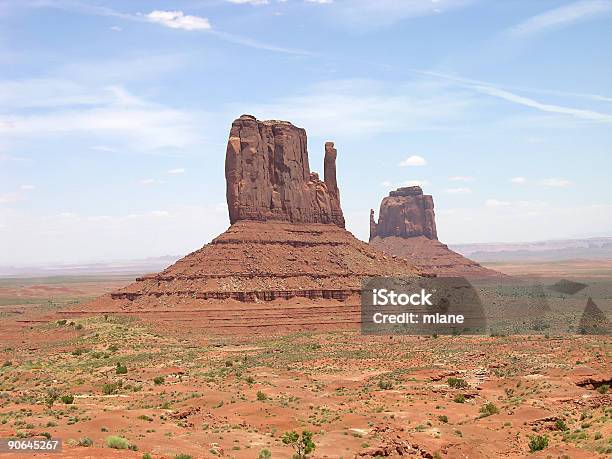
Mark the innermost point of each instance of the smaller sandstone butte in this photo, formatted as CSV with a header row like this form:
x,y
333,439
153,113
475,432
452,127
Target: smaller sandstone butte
x,y
269,178
406,228
406,212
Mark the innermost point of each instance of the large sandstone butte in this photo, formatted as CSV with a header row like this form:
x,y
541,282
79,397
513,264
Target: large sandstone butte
x,y
268,175
406,229
286,239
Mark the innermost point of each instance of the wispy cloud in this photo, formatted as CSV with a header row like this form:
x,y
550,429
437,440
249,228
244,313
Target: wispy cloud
x,y
178,170
178,20
518,180
562,16
414,160
461,178
556,182
249,2
151,181
460,190
589,115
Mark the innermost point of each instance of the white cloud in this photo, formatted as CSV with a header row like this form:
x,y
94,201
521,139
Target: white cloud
x,y
160,213
518,180
320,2
386,184
562,16
461,178
178,20
9,198
460,190
250,2
556,182
420,183
116,29
178,170
414,160
151,181
527,102
27,187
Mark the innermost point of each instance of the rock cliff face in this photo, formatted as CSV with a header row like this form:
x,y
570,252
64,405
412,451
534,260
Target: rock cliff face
x,y
406,212
269,178
406,229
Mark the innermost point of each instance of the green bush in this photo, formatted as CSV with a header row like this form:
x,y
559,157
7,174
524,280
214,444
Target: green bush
x,y
538,443
116,442
261,396
158,380
264,454
67,399
603,389
85,441
488,409
147,456
121,369
560,425
457,383
443,418
459,398
301,444
111,388
385,385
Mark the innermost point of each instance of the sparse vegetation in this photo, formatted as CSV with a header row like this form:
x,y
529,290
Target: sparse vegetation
x,y
488,409
459,398
116,442
301,444
538,443
158,380
457,383
261,396
121,369
67,399
85,441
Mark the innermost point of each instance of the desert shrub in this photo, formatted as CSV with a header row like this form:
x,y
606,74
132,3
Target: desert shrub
x,y
147,456
144,417
249,379
79,351
111,388
264,454
261,396
8,363
385,385
301,444
113,348
116,442
538,443
488,409
182,456
121,369
67,399
560,425
459,398
457,383
443,418
79,327
603,389
158,380
62,322
85,441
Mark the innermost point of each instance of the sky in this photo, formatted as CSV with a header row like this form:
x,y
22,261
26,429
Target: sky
x,y
114,115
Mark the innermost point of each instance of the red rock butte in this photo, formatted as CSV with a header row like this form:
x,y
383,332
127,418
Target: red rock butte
x,y
406,229
286,239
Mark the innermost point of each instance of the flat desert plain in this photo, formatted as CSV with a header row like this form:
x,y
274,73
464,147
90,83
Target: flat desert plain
x,y
172,383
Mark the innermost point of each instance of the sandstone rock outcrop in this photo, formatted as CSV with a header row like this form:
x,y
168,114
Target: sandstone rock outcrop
x,y
406,229
269,178
406,212
287,238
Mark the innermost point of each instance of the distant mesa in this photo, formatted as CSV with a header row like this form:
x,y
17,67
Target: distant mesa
x,y
286,239
406,229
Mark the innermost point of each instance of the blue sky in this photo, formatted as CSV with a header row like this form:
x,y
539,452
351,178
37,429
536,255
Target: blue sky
x,y
114,116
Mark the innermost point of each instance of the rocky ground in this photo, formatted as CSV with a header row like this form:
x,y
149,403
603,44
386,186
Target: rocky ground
x,y
187,390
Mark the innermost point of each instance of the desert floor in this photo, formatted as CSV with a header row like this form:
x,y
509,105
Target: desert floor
x,y
189,390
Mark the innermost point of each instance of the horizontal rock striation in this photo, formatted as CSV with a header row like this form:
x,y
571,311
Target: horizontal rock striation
x,y
268,175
